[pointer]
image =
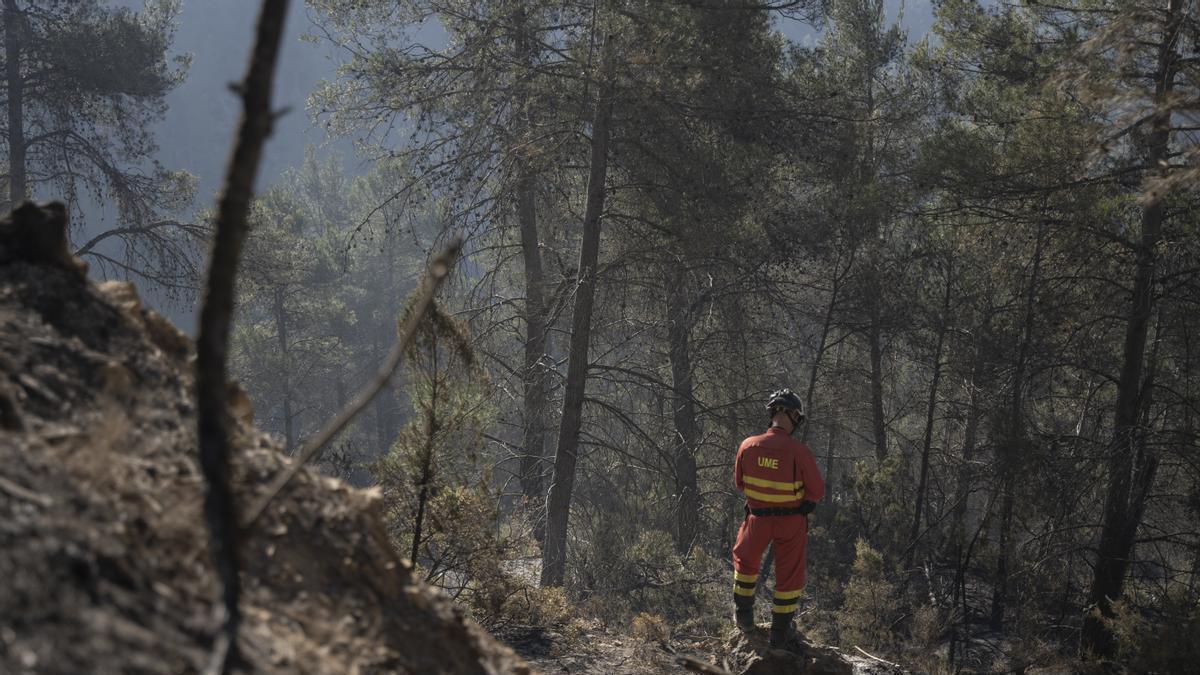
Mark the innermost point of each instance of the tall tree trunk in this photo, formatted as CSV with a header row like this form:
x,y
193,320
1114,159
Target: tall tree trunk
x,y
832,424
384,406
387,424
1130,467
554,552
1014,442
683,409
875,340
962,487
281,331
830,453
431,430
535,373
13,24
822,343
930,411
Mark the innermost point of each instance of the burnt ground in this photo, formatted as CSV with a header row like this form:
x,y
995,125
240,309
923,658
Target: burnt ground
x,y
103,549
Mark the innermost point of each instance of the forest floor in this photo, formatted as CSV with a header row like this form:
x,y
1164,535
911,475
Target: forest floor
x,y
604,652
590,648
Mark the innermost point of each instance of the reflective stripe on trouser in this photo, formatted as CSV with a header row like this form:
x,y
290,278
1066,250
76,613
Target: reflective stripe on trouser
x,y
743,584
786,601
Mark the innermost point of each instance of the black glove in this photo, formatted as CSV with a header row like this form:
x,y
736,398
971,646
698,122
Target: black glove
x,y
807,507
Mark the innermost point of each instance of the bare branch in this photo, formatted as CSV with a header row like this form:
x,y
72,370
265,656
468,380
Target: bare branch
x,y
216,314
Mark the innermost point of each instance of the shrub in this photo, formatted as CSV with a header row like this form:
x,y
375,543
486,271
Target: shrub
x,y
547,608
651,628
1162,640
870,607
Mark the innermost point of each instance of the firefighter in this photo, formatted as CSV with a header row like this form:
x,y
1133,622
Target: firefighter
x,y
779,477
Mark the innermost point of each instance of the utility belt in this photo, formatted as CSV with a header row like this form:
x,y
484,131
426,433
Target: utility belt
x,y
780,511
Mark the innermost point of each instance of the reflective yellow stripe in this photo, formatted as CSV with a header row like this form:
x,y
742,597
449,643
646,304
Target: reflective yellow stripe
x,y
743,591
783,609
788,595
748,578
777,485
764,497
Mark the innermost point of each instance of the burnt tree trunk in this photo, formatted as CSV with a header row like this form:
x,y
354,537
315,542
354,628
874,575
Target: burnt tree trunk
x,y
281,332
1014,442
875,345
216,315
823,343
426,477
930,412
1131,467
554,552
683,413
535,371
965,477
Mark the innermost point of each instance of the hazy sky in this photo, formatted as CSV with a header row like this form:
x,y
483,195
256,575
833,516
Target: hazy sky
x,y
198,130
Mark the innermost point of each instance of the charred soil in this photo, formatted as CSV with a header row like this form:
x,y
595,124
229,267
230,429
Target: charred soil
x,y
103,550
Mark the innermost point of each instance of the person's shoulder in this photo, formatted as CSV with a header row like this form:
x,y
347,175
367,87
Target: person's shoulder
x,y
798,444
756,439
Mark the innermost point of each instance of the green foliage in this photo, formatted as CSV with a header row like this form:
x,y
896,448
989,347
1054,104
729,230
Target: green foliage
x,y
94,81
881,508
324,274
440,501
870,609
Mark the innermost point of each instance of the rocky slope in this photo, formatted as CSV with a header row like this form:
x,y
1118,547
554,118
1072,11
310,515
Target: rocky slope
x,y
103,550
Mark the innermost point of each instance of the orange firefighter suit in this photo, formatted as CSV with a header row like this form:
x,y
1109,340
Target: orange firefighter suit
x,y
776,473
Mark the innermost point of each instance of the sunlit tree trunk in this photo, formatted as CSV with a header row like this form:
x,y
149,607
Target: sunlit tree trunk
x,y
831,422
554,552
965,477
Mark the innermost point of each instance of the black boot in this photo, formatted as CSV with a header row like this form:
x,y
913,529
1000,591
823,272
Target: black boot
x,y
744,615
781,629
